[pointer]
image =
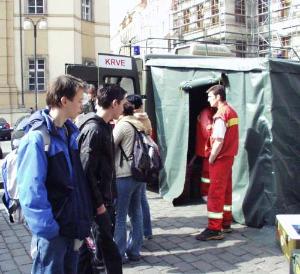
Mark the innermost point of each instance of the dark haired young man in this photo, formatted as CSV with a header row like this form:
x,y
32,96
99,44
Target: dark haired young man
x,y
97,156
224,146
53,191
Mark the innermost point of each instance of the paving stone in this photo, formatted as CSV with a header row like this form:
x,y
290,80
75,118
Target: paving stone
x,y
3,250
15,271
176,240
18,252
247,257
22,233
171,259
23,259
151,259
162,266
7,233
11,240
25,268
184,267
5,257
235,250
189,258
186,245
203,266
168,245
15,246
252,249
223,265
230,258
8,265
25,239
206,257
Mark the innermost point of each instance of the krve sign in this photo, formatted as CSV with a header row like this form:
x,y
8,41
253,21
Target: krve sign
x,y
114,62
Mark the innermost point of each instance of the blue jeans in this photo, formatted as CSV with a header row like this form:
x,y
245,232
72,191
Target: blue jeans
x,y
129,202
54,256
146,213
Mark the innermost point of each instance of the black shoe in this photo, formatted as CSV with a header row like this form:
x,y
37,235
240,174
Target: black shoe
x,y
149,237
209,234
135,258
125,260
227,229
98,266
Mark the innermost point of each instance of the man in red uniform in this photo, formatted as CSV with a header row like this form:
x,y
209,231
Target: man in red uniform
x,y
224,142
203,147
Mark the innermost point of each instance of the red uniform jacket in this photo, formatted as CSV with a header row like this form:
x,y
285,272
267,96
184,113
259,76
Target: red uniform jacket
x,y
231,138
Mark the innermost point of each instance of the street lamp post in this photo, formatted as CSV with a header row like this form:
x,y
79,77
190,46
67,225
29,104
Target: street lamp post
x,y
41,24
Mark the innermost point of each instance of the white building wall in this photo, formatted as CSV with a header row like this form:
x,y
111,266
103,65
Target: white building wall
x,y
153,20
63,29
102,27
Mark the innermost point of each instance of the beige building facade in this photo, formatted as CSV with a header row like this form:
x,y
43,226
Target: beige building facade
x,y
71,31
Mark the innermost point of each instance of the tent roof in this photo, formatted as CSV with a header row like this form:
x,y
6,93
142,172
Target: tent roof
x,y
222,63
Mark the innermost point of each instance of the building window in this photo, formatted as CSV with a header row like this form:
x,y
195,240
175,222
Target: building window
x,y
285,42
36,6
240,11
214,12
285,8
200,16
263,9
86,10
263,47
240,48
40,74
186,20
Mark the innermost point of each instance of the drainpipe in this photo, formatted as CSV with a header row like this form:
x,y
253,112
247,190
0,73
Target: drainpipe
x,y
270,36
21,53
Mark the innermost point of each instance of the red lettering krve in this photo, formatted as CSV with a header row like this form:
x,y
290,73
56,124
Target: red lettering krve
x,y
114,62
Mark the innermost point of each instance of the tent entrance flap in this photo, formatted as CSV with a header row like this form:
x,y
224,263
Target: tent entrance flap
x,y
198,108
172,110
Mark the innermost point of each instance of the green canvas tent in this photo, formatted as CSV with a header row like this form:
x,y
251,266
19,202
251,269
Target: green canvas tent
x,y
266,95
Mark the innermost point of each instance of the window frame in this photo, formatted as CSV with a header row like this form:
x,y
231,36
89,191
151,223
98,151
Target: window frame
x,y
84,13
215,10
240,11
31,86
35,7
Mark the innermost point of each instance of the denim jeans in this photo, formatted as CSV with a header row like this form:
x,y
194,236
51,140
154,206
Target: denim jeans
x,y
54,256
129,202
146,213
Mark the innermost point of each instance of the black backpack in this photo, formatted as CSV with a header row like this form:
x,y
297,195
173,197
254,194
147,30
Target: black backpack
x,y
145,157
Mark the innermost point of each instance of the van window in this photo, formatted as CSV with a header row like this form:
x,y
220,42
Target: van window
x,y
124,82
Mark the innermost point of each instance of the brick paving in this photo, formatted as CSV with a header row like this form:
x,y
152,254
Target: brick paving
x,y
173,248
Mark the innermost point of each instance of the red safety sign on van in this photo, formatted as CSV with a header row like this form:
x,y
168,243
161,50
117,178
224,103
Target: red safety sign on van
x,y
114,62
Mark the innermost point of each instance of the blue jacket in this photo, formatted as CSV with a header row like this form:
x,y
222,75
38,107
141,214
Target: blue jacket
x,y
53,191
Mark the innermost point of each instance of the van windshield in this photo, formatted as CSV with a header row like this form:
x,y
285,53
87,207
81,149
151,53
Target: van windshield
x,y
124,82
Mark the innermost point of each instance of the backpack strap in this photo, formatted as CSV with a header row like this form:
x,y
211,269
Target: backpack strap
x,y
46,136
123,154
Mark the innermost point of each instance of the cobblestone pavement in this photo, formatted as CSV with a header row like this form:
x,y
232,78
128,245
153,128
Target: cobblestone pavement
x,y
173,248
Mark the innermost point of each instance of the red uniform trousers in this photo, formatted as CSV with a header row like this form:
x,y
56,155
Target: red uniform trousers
x,y
204,181
220,194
